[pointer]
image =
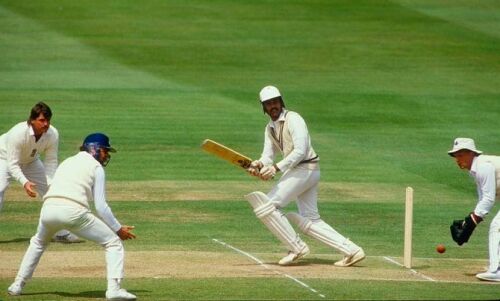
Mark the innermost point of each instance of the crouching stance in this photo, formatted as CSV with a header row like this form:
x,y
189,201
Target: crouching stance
x,y
485,169
79,180
287,133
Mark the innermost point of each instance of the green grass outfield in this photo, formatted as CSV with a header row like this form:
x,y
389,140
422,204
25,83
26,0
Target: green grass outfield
x,y
384,86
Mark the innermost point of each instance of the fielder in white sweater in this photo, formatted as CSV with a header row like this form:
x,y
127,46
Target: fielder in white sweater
x,y
78,181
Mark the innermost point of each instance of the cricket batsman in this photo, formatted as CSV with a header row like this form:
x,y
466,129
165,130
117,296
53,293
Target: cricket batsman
x,y
287,133
486,173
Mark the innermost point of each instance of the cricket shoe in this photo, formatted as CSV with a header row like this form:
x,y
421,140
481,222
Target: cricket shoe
x,y
292,257
16,288
351,259
489,276
69,238
119,295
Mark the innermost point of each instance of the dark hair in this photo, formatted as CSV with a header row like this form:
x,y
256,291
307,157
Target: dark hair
x,y
40,108
281,101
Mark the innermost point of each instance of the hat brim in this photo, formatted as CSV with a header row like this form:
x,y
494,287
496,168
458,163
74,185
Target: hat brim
x,y
111,150
453,151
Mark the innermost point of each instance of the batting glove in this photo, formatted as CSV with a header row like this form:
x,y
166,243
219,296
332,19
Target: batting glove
x,y
268,172
254,168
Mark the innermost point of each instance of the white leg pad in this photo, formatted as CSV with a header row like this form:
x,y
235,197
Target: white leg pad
x,y
275,221
324,233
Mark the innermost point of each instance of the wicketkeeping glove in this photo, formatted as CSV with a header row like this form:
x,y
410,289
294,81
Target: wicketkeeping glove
x,y
461,230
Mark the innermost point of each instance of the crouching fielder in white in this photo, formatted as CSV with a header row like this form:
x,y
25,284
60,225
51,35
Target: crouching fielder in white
x,y
79,180
287,133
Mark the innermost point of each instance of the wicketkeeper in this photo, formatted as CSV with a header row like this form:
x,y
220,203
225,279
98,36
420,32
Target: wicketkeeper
x,y
287,133
486,172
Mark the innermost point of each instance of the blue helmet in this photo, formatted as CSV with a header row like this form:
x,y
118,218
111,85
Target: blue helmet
x,y
93,143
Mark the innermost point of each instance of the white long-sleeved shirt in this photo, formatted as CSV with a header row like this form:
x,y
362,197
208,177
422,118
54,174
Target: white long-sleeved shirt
x,y
18,146
300,144
81,179
484,170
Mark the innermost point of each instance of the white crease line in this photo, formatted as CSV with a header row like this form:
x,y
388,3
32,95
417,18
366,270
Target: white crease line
x,y
411,270
268,267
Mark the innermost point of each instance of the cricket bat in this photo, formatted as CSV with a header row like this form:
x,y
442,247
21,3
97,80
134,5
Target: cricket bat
x,y
226,153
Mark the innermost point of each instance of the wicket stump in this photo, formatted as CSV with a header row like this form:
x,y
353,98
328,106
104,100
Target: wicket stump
x,y
408,227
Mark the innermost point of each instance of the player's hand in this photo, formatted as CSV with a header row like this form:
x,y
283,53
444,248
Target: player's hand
x,y
125,232
268,172
29,187
461,230
254,168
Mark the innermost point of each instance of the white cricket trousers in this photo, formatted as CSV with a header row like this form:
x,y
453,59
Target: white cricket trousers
x,y
300,184
34,172
494,244
57,214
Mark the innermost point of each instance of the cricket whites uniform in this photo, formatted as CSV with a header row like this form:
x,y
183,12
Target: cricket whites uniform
x,y
78,180
20,157
289,136
486,172
300,165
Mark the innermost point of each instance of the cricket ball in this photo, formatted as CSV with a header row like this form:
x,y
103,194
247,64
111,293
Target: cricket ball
x,y
440,248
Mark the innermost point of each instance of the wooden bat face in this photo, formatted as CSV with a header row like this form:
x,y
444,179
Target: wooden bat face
x,y
226,153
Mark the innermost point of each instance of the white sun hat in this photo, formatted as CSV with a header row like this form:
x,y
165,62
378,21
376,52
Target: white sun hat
x,y
464,143
269,92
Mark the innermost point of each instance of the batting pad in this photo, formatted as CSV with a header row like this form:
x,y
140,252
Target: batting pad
x,y
275,221
324,233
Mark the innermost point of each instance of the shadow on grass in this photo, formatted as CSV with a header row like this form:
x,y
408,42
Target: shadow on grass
x,y
87,294
21,239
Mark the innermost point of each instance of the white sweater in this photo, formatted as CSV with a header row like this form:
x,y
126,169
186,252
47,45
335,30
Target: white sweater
x,y
81,179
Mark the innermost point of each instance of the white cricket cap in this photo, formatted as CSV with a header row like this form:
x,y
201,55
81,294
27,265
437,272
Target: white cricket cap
x,y
269,92
464,143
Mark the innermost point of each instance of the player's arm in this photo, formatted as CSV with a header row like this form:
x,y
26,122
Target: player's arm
x,y
266,157
50,161
14,147
486,188
300,136
103,209
461,230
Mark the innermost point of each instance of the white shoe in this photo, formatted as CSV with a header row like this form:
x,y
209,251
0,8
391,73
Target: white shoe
x,y
119,295
489,276
16,288
69,238
292,257
351,259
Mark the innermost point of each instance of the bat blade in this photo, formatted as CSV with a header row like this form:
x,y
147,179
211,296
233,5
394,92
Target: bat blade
x,y
226,153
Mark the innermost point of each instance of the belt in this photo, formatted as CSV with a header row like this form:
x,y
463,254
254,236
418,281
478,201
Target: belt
x,y
309,160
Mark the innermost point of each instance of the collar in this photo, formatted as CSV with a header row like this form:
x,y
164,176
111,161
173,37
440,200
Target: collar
x,y
473,167
32,132
281,118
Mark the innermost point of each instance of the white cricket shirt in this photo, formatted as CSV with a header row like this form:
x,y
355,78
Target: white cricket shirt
x,y
18,147
299,145
485,170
